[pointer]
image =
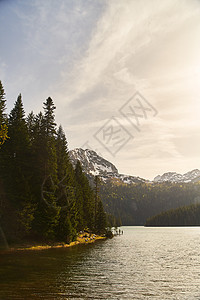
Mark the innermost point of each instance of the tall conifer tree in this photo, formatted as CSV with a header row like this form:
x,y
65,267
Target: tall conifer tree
x,y
17,170
86,196
2,104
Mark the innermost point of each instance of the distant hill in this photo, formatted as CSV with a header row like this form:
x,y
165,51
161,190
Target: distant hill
x,y
182,216
135,203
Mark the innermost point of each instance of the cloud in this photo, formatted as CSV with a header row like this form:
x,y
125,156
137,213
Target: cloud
x,y
130,50
91,57
126,32
43,38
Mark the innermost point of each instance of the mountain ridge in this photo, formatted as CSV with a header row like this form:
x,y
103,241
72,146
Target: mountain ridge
x,y
93,164
191,176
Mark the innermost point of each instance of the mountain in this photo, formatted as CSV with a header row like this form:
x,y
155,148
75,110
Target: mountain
x,y
133,204
93,164
174,177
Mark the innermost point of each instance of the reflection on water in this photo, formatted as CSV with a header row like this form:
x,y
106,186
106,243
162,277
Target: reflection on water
x,y
144,263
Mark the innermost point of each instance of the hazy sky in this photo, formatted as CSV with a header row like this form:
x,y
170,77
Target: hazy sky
x,y
92,56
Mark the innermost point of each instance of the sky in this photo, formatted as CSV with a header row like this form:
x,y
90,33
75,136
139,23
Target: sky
x,y
124,76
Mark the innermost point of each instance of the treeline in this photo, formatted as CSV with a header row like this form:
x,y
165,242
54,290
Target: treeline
x,y
41,196
182,216
135,203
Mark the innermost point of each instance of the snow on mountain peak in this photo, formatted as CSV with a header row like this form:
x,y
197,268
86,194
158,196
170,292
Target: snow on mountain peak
x,y
175,177
93,164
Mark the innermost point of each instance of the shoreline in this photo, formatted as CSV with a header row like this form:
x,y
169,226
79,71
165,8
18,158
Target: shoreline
x,y
82,239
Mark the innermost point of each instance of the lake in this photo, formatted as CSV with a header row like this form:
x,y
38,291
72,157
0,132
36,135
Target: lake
x,y
143,263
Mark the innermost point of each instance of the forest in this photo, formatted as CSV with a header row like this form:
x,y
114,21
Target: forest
x,y
133,204
181,216
42,198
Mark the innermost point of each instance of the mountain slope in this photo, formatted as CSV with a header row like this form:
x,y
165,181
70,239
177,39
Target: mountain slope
x,y
93,164
131,202
191,176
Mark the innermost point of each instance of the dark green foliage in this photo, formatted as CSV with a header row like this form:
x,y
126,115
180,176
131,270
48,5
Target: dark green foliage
x,y
101,222
134,204
96,192
111,221
62,153
2,104
182,216
49,117
42,197
85,197
16,172
100,218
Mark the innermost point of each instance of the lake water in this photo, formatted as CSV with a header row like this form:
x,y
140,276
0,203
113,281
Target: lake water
x,y
143,263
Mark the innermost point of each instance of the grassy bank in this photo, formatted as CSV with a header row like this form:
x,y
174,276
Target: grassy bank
x,y
82,238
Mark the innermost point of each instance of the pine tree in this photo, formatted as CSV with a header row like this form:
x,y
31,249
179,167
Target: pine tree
x,y
44,149
50,134
3,137
45,197
2,104
16,168
49,117
39,152
30,121
3,125
3,134
100,215
18,144
101,222
96,192
62,153
67,226
86,196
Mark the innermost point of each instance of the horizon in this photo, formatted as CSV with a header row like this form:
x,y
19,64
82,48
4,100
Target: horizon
x,y
126,68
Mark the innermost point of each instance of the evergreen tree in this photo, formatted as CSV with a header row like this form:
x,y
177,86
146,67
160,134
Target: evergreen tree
x,y
49,117
50,134
86,197
66,192
3,134
38,152
43,196
96,192
16,169
101,222
44,147
3,126
18,145
100,215
30,121
2,104
62,153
